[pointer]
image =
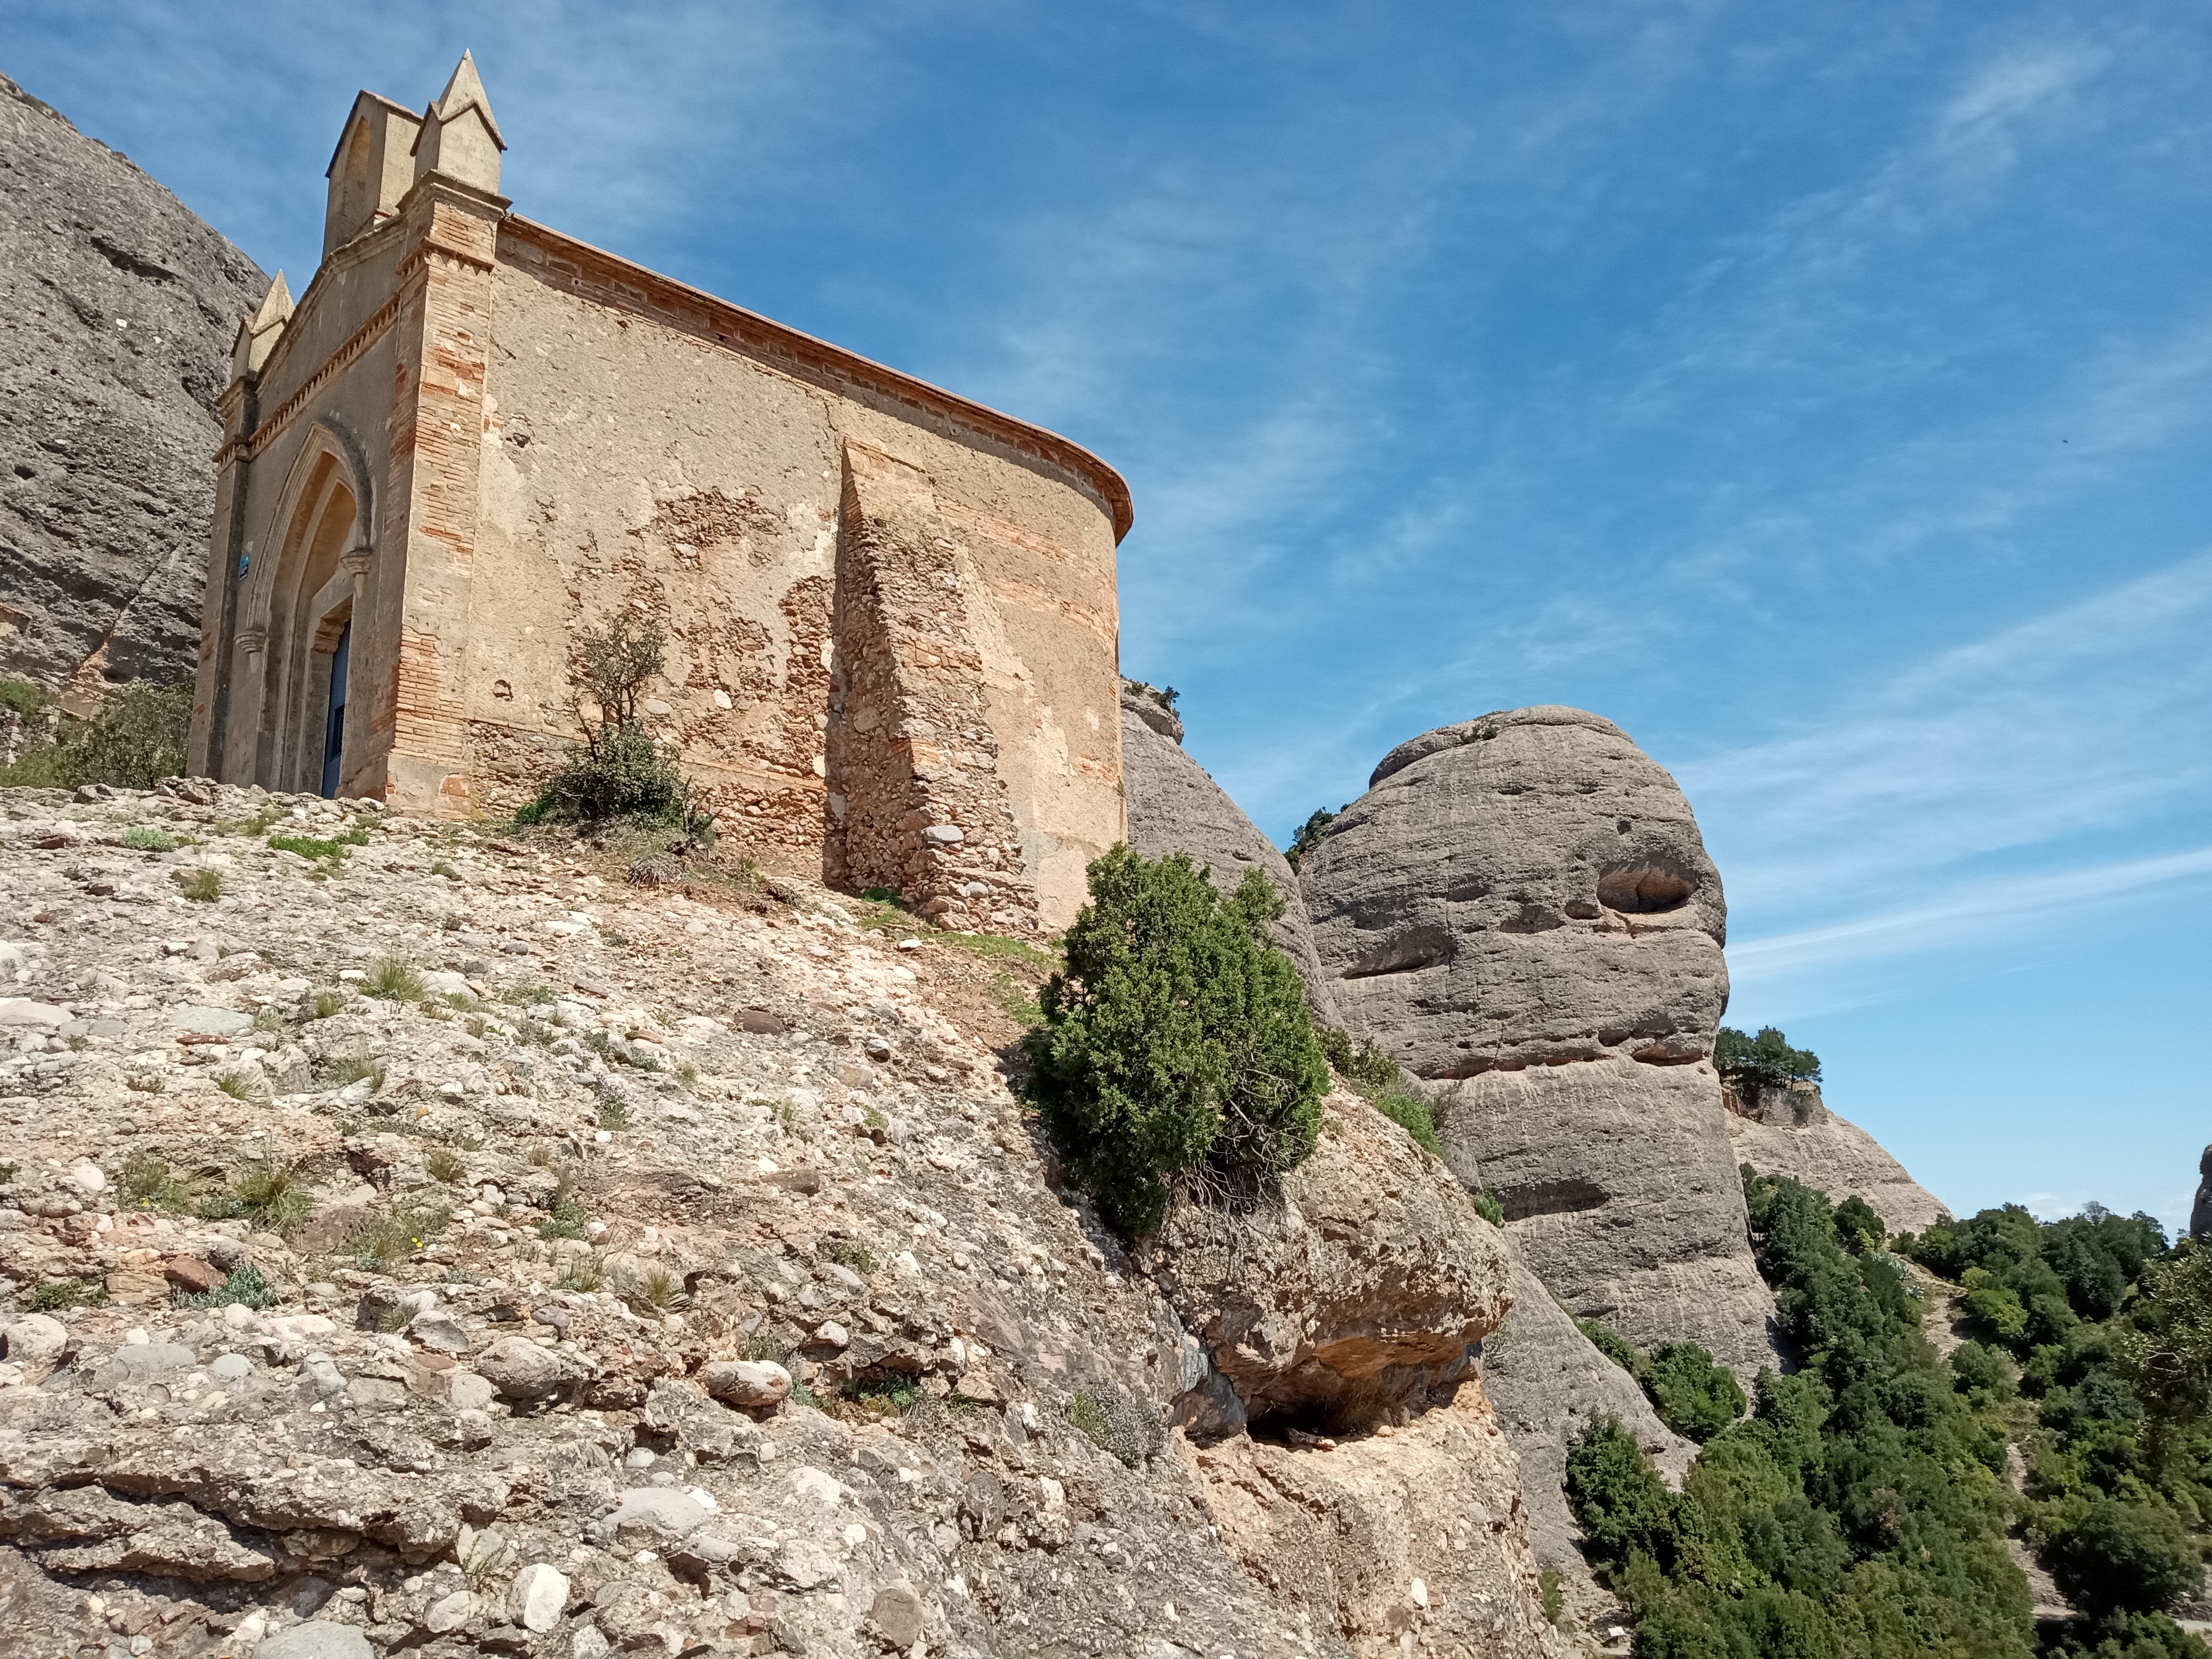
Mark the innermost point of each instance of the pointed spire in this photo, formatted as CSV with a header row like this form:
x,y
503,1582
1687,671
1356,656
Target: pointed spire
x,y
465,89
257,335
276,306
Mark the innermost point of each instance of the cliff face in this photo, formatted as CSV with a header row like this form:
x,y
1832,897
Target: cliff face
x,y
1790,1131
121,306
1520,905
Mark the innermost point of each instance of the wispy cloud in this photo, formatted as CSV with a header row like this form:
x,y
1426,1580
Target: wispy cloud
x,y
1978,913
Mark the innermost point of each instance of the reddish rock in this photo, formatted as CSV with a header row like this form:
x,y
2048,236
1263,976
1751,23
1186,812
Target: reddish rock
x,y
188,1273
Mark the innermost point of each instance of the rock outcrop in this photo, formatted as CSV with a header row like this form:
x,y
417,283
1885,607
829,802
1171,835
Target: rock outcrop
x,y
121,306
1175,807
2200,1213
1347,1316
1547,1383
1522,906
696,1286
1790,1131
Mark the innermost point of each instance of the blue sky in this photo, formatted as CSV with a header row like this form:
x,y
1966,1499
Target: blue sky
x,y
1825,394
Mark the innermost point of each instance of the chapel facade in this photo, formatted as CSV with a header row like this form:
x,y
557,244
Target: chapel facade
x,y
891,613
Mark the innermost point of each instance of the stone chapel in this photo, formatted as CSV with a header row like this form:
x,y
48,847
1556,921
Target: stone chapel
x,y
891,612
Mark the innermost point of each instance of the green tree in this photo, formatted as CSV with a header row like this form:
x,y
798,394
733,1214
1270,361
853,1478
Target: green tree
x,y
2134,1557
1765,1058
137,738
1696,1397
1307,837
1176,1044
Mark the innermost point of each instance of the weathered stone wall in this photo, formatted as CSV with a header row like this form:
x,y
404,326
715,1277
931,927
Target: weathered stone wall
x,y
537,435
916,800
633,459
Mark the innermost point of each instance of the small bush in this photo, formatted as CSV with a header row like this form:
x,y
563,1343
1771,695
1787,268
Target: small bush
x,y
565,1218
201,886
619,771
1125,1428
1376,1079
882,1396
1176,1044
59,1293
1490,1208
312,848
396,1235
614,1114
1307,837
240,1085
148,1182
326,1003
145,838
243,1286
847,1254
272,1197
657,1289
1612,1344
445,1164
1551,1587
136,740
394,980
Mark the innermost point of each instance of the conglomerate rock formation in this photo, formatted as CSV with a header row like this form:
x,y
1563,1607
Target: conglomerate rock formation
x,y
120,306
1521,906
1175,807
1790,1131
575,1170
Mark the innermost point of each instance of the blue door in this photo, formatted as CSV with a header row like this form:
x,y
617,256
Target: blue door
x,y
334,730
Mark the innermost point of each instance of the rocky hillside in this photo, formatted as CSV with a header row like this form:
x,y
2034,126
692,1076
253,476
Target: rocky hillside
x,y
421,1243
121,306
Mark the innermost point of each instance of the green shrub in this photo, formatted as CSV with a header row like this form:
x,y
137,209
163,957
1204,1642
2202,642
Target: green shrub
x,y
1551,1588
201,886
1695,1397
315,847
394,980
271,1197
1490,1208
137,738
1859,1510
1858,1226
1176,1044
1125,1428
1612,1344
1377,1079
2124,1636
59,1293
1767,1059
619,771
145,838
2131,1557
1307,837
243,1286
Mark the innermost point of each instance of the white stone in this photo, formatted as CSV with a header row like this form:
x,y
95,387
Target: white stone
x,y
22,1011
87,1177
210,1022
450,1612
36,1338
539,1595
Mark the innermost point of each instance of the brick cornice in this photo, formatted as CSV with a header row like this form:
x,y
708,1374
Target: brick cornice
x,y
250,445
